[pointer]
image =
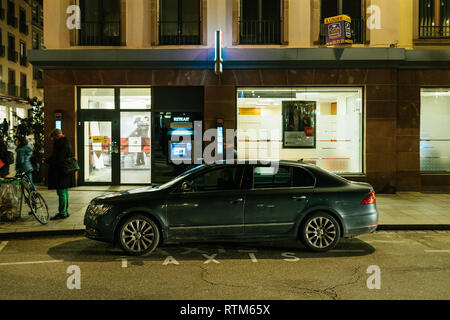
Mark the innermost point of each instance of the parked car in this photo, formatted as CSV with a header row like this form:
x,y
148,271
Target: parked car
x,y
240,202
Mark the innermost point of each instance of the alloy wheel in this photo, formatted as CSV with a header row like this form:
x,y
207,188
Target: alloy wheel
x,y
321,232
137,236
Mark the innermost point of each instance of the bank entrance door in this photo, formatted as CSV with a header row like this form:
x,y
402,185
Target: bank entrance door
x,y
116,150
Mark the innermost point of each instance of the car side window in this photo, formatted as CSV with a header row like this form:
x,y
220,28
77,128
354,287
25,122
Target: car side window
x,y
270,177
302,178
226,178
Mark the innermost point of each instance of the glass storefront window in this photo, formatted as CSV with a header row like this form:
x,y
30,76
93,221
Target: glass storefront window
x,y
97,98
434,130
3,113
97,151
135,98
135,155
321,125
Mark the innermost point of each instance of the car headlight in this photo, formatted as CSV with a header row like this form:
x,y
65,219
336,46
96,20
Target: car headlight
x,y
99,209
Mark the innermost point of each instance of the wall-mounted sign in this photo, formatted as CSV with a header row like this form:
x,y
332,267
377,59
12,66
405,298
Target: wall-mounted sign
x,y
338,30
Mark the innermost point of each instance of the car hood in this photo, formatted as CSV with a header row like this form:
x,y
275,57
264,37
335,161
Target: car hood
x,y
127,194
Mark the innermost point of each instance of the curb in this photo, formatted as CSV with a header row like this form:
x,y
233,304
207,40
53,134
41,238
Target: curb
x,y
413,227
386,227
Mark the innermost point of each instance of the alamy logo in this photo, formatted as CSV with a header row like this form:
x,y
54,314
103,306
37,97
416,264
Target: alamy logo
x,y
374,281
74,20
74,280
374,17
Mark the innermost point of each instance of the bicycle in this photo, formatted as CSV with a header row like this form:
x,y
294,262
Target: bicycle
x,y
33,199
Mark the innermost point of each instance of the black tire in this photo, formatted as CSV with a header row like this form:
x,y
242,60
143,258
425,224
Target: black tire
x,y
39,207
138,235
320,232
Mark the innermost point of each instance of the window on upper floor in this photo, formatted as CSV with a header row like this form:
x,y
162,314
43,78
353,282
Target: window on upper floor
x,y
179,22
434,19
23,27
100,23
12,53
11,15
260,22
23,54
35,39
351,8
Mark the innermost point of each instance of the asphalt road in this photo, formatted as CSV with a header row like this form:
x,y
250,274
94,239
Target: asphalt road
x,y
411,265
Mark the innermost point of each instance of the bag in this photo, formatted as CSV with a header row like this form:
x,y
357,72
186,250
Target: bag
x,y
10,157
70,166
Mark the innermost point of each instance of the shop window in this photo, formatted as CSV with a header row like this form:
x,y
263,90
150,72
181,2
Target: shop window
x,y
135,98
434,19
434,130
322,125
97,98
351,8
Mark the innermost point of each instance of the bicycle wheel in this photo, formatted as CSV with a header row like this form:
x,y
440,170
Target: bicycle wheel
x,y
39,207
27,188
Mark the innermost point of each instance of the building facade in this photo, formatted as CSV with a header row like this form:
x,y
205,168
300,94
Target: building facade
x,y
127,75
16,73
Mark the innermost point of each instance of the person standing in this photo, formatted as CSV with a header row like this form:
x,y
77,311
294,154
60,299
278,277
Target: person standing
x,y
5,128
4,159
57,179
23,155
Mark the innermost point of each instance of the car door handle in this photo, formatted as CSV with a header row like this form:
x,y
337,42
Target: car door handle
x,y
237,201
298,198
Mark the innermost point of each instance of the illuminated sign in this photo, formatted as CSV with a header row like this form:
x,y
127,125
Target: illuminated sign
x,y
218,57
181,119
338,30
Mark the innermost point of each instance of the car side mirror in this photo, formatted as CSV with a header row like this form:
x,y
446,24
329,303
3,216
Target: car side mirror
x,y
186,187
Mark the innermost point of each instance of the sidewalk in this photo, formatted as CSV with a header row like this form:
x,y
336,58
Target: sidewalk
x,y
402,211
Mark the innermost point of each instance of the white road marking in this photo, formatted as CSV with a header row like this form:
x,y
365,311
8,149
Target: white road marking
x,y
347,251
437,251
29,262
3,245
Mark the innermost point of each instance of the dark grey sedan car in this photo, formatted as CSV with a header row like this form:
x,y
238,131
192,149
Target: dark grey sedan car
x,y
239,202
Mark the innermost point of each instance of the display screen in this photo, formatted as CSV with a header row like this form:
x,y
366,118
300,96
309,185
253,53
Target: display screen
x,y
58,124
180,151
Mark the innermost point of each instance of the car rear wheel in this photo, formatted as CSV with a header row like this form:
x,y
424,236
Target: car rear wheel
x,y
138,235
320,232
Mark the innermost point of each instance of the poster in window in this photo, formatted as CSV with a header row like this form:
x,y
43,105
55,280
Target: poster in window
x,y
299,124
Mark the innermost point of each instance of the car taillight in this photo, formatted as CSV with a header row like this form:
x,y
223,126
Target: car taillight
x,y
369,199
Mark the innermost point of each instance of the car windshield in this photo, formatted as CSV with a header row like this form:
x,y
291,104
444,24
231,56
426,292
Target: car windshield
x,y
181,177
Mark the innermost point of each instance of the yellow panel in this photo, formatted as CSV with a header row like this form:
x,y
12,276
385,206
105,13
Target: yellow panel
x,y
334,109
250,111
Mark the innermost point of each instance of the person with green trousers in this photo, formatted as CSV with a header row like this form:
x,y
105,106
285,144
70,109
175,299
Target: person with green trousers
x,y
57,179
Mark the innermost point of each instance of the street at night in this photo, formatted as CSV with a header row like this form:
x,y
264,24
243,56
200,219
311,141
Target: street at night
x,y
412,265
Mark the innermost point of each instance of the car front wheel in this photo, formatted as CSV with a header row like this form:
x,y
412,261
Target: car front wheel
x,y
320,232
138,235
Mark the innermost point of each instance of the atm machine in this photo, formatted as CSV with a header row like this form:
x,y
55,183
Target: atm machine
x,y
181,126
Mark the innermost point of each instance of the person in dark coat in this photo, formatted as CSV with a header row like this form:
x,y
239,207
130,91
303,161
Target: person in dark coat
x,y
4,170
5,128
57,179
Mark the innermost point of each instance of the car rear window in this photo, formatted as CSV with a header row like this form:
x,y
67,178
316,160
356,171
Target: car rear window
x,y
302,178
327,179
